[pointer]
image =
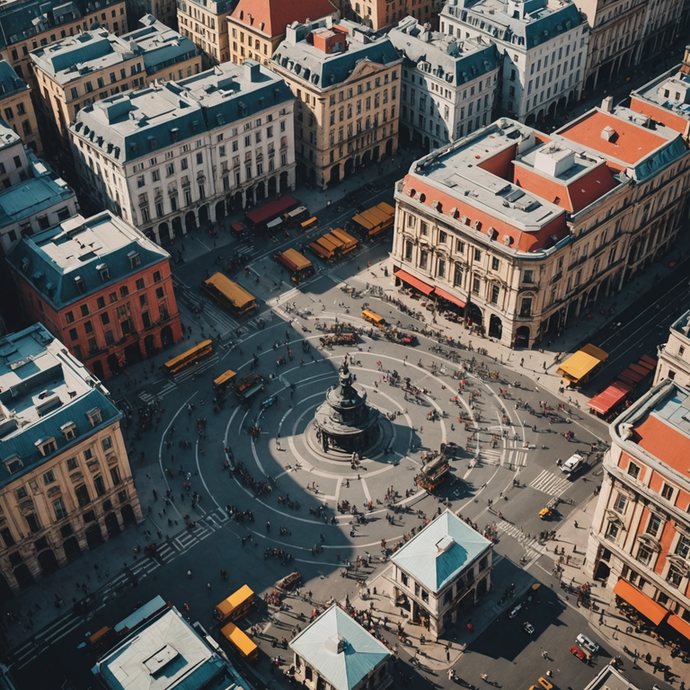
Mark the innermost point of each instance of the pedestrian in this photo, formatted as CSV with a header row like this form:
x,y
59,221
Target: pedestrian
x,y
575,524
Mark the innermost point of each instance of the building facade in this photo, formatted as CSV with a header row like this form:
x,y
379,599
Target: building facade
x,y
543,45
66,479
440,572
257,27
163,10
380,14
615,39
336,652
640,539
449,87
521,233
17,108
206,23
347,86
80,70
181,154
101,287
661,24
674,354
26,26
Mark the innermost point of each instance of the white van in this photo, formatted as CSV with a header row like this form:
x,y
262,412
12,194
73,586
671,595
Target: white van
x,y
573,464
590,645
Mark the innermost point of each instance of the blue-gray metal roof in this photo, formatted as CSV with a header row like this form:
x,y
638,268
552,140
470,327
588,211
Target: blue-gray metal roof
x,y
440,552
339,649
37,369
30,197
10,83
77,248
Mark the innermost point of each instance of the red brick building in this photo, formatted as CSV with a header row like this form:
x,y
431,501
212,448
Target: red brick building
x,y
100,286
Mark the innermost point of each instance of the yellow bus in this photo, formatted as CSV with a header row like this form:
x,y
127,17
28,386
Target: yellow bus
x,y
225,378
229,294
311,223
240,641
235,606
186,359
373,317
299,266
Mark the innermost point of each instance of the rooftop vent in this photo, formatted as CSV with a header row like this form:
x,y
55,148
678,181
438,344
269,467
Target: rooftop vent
x,y
609,134
445,544
335,644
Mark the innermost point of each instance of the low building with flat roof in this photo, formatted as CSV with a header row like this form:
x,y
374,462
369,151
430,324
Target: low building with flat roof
x,y
639,544
610,678
167,654
100,286
441,571
335,651
65,480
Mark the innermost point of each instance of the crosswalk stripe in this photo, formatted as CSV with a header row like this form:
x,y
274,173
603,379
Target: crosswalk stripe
x,y
550,483
203,365
530,544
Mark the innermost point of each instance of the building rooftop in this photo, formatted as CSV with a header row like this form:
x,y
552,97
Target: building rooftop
x,y
324,54
455,62
129,126
75,57
441,551
524,23
339,649
44,392
610,679
82,256
10,83
167,654
659,423
270,17
20,19
682,324
32,196
8,137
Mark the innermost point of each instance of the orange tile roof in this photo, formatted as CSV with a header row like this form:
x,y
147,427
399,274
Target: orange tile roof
x,y
632,143
277,14
521,241
672,120
665,443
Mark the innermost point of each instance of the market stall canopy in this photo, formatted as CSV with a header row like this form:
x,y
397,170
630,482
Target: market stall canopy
x,y
414,282
582,363
610,397
641,602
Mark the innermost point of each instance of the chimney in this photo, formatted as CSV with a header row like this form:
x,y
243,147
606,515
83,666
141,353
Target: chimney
x,y
607,104
251,70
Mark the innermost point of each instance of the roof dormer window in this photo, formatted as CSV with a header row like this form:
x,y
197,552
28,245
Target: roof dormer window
x,y
134,259
95,416
69,430
104,272
46,446
13,464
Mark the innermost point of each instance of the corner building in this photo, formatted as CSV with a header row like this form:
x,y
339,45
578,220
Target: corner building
x,y
347,84
640,540
521,233
65,480
101,287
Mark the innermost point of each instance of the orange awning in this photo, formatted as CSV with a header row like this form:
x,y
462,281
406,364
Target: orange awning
x,y
644,604
447,296
414,282
680,625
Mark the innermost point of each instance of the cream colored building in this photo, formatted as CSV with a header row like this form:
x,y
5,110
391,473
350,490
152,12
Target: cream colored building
x,y
674,355
66,479
206,23
256,27
379,14
80,70
27,26
522,234
347,85
17,108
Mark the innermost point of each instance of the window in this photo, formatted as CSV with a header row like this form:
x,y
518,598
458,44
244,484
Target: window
x,y
99,484
115,475
69,316
124,291
644,554
495,264
33,523
49,477
476,284
7,537
442,237
105,319
675,575
612,531
404,580
528,277
667,492
459,246
84,309
140,284
495,293
107,443
72,464
59,509
100,302
683,547
634,470
160,293
82,494
620,503
441,268
477,255
526,306
653,525
73,335
21,493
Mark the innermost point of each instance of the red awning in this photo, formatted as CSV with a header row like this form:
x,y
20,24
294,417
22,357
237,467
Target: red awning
x,y
414,282
632,375
610,397
272,210
645,605
680,625
640,369
648,360
450,298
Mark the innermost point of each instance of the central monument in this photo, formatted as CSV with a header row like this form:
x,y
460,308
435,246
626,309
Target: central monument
x,y
344,422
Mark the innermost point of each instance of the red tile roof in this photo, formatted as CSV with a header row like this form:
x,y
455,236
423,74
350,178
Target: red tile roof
x,y
656,112
665,443
521,241
277,14
631,144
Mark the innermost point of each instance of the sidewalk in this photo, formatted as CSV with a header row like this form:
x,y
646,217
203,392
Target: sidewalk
x,y
606,620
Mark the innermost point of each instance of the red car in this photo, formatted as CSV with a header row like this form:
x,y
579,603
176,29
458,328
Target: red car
x,y
576,651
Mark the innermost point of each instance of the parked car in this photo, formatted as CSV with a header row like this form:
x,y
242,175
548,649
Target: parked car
x,y
515,611
573,464
528,628
586,643
576,651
